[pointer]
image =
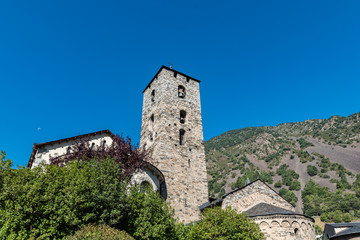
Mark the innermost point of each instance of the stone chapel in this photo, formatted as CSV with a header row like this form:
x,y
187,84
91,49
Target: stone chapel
x,y
172,133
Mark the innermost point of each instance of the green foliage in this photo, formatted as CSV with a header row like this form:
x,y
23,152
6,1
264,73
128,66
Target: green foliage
x,y
151,217
278,184
295,185
304,156
319,201
99,232
53,202
303,143
312,170
288,196
224,224
318,230
288,175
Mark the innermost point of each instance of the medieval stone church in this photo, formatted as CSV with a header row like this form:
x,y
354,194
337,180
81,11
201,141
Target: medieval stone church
x,y
172,132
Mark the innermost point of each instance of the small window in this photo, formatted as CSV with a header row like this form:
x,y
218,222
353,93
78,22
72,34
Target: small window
x,y
104,144
144,186
153,95
92,146
152,117
296,230
181,136
68,150
182,116
189,161
181,91
151,137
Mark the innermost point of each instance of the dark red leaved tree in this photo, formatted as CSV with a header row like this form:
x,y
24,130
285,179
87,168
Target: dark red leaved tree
x,y
129,157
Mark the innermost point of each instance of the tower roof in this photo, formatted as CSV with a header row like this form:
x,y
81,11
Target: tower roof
x,y
170,69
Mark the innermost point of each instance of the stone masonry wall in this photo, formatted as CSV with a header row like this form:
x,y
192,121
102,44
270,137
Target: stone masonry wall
x,y
286,227
183,165
253,194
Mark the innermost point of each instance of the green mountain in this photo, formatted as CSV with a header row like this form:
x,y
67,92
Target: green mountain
x,y
287,157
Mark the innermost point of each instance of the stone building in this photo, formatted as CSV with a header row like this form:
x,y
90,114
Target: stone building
x,y
172,131
276,217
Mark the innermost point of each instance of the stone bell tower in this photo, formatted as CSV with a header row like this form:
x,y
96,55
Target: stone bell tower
x,y
172,132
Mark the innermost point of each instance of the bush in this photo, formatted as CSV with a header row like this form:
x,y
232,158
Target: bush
x,y
224,224
278,184
150,217
312,170
54,202
99,232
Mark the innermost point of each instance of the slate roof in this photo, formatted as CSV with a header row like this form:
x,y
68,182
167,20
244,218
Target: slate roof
x,y
263,209
352,229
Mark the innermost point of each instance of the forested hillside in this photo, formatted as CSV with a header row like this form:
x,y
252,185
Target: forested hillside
x,y
287,157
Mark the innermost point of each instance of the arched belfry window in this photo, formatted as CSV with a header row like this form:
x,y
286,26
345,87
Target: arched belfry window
x,y
181,136
181,91
153,95
182,116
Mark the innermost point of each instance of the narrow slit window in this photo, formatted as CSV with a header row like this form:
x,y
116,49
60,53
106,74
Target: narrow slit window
x,y
104,144
181,91
153,95
182,116
68,150
92,146
152,117
181,136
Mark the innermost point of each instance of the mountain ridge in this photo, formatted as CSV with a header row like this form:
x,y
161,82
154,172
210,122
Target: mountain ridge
x,y
287,156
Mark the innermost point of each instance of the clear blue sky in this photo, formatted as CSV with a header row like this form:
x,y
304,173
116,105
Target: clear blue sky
x,y
73,67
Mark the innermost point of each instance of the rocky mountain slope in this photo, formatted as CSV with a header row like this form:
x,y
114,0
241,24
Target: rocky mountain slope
x,y
287,156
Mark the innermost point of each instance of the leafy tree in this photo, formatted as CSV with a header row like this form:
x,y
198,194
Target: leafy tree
x,y
278,184
312,170
288,196
224,224
128,156
295,185
150,217
99,232
53,202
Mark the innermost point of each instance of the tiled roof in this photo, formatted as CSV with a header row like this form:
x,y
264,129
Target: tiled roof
x,y
351,228
262,209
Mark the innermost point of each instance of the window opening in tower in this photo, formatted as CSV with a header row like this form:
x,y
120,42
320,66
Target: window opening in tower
x,y
181,91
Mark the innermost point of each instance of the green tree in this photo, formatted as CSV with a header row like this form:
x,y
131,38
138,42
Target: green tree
x,y
53,202
99,232
150,217
312,170
224,224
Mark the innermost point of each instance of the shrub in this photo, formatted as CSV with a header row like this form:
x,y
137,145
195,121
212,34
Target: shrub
x,y
278,184
99,232
150,217
53,202
224,224
312,170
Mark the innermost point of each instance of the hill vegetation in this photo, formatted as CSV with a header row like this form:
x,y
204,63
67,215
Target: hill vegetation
x,y
287,156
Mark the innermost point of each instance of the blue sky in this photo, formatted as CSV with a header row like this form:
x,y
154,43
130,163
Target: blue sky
x,y
73,67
